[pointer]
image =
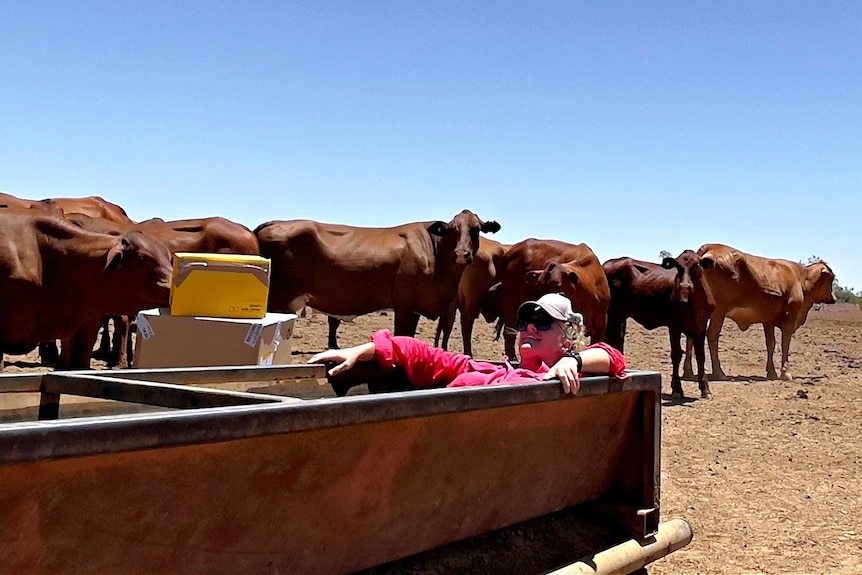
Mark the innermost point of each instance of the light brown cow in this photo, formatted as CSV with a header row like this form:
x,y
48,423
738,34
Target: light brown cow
x,y
473,294
344,270
751,289
10,201
536,267
56,277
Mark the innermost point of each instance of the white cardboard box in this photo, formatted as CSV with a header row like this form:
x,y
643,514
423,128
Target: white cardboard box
x,y
164,340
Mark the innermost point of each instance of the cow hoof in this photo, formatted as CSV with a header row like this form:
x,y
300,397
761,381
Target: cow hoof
x,y
717,376
705,394
786,376
102,354
677,396
771,375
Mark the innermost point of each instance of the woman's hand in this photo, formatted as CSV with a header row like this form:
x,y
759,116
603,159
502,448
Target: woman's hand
x,y
566,370
346,358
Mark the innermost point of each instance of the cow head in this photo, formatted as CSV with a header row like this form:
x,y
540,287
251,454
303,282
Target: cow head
x,y
555,277
143,262
461,235
819,281
687,266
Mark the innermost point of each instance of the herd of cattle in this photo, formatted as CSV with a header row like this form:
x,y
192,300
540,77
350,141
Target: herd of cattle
x,y
67,264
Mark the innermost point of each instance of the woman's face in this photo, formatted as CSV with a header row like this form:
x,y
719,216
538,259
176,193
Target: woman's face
x,y
536,346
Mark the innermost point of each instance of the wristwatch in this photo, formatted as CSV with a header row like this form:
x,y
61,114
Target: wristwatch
x,y
577,356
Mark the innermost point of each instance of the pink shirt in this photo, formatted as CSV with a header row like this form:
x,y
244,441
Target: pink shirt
x,y
428,366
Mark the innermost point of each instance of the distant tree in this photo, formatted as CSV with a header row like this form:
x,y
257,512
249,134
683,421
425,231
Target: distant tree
x,y
664,254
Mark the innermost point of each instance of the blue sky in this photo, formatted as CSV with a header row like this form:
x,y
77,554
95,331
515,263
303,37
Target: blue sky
x,y
631,126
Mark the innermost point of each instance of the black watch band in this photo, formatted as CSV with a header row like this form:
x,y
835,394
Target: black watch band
x,y
577,356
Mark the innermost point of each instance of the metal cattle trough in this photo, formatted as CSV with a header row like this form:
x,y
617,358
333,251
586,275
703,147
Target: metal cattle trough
x,y
265,470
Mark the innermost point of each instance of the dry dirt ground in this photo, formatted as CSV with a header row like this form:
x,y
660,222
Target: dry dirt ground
x,y
768,473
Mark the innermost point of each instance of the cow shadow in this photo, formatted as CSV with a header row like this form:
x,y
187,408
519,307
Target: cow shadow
x,y
21,364
667,400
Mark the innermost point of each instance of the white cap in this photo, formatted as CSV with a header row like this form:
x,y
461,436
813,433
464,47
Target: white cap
x,y
555,305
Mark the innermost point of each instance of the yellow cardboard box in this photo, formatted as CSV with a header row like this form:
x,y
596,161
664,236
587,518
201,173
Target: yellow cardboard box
x,y
164,340
219,285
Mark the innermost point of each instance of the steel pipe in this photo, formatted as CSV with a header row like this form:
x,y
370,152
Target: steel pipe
x,y
633,555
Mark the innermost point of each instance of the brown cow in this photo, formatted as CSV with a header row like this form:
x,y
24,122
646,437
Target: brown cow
x,y
94,206
209,235
536,267
344,270
473,294
673,294
48,264
751,289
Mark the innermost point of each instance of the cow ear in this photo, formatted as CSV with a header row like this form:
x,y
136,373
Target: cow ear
x,y
438,228
491,227
115,254
668,263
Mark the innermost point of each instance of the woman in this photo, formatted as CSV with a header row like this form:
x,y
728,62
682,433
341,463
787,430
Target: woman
x,y
549,334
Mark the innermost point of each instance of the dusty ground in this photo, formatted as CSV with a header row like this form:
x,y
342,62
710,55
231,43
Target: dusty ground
x,y
768,473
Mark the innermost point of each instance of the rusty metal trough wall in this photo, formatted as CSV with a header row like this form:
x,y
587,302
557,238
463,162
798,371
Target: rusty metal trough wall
x,y
231,481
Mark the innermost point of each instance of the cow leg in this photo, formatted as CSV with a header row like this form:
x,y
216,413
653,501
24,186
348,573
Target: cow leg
x,y
712,333
334,322
769,332
467,320
130,344
76,351
103,352
675,359
118,356
444,327
615,332
687,371
509,335
49,353
406,323
699,343
786,334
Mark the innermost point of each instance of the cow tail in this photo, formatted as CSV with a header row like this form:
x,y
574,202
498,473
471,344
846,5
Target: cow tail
x,y
499,329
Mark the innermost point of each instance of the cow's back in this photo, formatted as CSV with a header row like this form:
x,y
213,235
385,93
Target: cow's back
x,y
94,206
207,235
343,270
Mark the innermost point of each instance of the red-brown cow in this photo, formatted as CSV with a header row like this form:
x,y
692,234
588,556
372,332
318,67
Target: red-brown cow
x,y
536,267
92,206
209,235
751,289
344,270
673,294
48,264
473,295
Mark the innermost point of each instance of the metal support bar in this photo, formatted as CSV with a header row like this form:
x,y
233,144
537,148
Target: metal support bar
x,y
632,555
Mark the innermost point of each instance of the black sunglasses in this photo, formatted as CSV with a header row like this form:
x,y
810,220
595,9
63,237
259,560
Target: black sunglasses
x,y
543,322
